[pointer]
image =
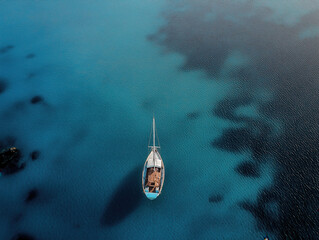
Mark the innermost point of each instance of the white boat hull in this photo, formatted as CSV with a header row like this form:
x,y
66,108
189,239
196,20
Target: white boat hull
x,y
153,163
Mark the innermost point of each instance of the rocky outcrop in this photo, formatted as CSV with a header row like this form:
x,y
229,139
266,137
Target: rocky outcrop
x,y
10,161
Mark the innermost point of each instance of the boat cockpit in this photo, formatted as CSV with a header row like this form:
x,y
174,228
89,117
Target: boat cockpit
x,y
153,179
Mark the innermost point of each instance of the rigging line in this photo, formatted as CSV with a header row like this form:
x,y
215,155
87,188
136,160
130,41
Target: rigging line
x,y
149,141
159,145
156,135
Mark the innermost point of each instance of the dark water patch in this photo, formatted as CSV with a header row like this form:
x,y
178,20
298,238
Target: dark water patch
x,y
32,194
30,56
243,74
261,132
234,140
35,155
6,49
268,195
22,236
193,115
36,99
226,107
3,84
125,200
266,221
215,198
266,217
253,137
248,169
299,188
273,209
13,168
289,67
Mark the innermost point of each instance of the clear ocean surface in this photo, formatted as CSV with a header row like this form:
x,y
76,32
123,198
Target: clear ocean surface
x,y
234,89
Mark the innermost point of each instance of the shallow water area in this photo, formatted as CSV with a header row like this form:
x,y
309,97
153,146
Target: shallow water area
x,y
79,84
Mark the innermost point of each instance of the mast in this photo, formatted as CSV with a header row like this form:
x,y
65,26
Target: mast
x,y
153,132
154,148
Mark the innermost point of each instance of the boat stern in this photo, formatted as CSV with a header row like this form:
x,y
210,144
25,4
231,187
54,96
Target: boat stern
x,y
151,196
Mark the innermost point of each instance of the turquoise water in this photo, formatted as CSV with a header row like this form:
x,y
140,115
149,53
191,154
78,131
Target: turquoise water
x,y
104,68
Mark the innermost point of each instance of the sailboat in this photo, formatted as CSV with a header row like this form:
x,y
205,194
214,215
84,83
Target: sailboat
x,y
153,171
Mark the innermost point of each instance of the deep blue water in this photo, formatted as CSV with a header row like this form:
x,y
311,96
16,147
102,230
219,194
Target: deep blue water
x,y
234,89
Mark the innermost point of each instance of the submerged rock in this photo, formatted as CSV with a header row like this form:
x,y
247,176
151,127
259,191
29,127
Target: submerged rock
x,y
6,49
234,140
33,193
248,169
30,55
265,210
36,99
3,85
22,236
215,198
35,155
10,161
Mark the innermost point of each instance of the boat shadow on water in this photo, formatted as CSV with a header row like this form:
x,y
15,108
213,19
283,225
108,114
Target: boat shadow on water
x,y
125,200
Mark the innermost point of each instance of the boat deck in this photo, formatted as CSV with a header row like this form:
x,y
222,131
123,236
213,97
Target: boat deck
x,y
153,179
